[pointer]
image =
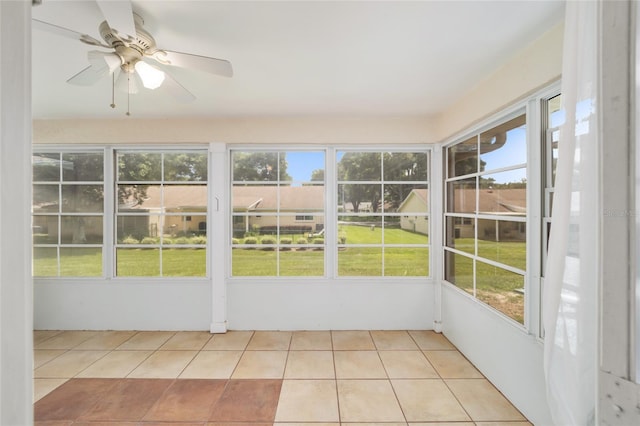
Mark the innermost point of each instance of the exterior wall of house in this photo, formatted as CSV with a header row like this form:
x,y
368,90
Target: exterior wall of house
x,y
419,224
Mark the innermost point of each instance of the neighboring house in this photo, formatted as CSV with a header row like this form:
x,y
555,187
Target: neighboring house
x,y
300,208
507,203
416,202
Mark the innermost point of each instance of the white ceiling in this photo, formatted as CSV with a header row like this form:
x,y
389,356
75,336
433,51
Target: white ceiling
x,y
296,57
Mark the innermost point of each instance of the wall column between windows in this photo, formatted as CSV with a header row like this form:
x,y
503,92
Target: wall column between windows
x,y
16,305
436,202
217,234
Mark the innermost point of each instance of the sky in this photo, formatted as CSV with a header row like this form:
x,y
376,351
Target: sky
x,y
301,164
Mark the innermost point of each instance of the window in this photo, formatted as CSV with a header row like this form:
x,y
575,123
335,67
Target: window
x,y
383,213
554,119
68,212
161,213
278,205
485,216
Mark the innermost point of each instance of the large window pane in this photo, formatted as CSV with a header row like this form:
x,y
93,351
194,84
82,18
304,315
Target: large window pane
x,y
83,167
360,229
138,262
45,229
463,158
81,262
258,166
184,198
189,262
134,229
185,167
359,198
504,193
304,166
136,167
461,196
461,233
82,198
458,270
504,145
81,230
45,261
360,261
302,262
405,198
46,167
406,230
46,198
503,241
254,263
359,166
406,262
405,166
502,289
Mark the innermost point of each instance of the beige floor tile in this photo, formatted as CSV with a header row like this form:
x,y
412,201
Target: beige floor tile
x,y
379,424
305,424
212,365
308,401
444,424
116,364
503,424
311,341
163,365
429,340
42,356
229,341
310,365
452,365
428,401
352,341
359,365
42,387
393,340
106,340
407,365
261,365
187,341
66,340
40,336
368,401
270,341
146,341
482,401
68,364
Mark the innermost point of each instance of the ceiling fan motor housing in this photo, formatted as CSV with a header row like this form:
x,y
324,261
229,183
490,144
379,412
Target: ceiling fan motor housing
x,y
130,50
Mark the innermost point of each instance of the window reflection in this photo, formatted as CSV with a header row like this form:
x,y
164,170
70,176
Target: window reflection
x,y
504,145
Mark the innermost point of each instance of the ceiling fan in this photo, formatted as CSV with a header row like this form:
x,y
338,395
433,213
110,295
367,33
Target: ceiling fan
x,y
133,52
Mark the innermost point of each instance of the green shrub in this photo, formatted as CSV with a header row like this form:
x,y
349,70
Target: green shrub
x,y
149,240
235,241
302,241
167,241
181,240
251,240
200,239
318,241
268,240
130,240
284,242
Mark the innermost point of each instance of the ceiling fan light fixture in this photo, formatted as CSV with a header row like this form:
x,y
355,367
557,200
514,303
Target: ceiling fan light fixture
x,y
151,77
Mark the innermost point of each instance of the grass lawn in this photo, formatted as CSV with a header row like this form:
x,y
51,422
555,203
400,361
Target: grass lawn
x,y
365,235
136,262
79,262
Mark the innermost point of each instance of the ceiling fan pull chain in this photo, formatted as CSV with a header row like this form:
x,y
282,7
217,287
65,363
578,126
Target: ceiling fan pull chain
x,y
128,94
113,90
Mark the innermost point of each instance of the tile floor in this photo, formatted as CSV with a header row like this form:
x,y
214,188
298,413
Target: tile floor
x,y
260,378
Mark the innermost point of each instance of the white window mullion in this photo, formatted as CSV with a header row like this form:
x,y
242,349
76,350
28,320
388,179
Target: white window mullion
x,y
331,217
109,217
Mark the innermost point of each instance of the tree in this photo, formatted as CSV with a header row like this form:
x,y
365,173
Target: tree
x,y
317,175
260,166
360,166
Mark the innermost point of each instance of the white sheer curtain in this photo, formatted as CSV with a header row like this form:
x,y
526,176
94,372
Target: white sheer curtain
x,y
569,302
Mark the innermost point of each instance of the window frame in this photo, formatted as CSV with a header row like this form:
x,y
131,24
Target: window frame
x,y
61,150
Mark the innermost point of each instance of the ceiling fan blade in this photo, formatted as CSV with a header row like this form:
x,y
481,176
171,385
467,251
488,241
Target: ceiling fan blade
x,y
186,60
88,76
119,16
65,32
99,60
